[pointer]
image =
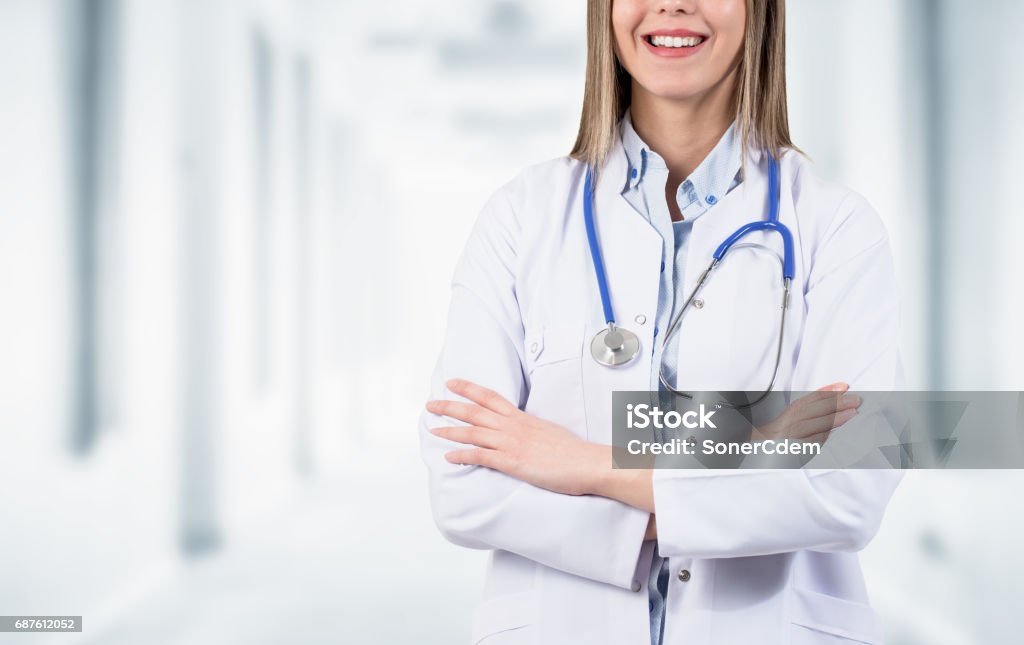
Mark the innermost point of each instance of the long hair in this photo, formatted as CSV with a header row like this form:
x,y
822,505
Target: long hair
x,y
761,109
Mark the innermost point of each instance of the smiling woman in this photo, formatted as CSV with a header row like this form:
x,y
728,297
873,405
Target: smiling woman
x,y
642,41
683,139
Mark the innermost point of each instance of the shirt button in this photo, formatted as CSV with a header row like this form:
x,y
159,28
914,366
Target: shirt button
x,y
533,348
711,199
655,331
640,319
684,575
635,586
633,173
698,303
663,266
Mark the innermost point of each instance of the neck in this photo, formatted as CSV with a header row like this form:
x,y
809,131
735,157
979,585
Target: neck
x,y
682,132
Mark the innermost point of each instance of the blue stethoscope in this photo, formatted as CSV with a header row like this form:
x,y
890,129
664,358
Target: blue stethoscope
x,y
615,346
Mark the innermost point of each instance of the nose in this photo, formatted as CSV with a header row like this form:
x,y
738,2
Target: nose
x,y
676,6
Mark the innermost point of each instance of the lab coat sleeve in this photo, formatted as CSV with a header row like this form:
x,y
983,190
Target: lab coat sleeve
x,y
480,508
850,334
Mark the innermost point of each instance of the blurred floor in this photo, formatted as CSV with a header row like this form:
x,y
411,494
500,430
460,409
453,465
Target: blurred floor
x,y
360,561
328,567
315,573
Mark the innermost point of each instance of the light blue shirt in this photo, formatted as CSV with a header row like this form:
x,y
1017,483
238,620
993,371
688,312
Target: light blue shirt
x,y
647,176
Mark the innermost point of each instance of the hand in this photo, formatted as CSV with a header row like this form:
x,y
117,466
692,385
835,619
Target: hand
x,y
812,417
518,444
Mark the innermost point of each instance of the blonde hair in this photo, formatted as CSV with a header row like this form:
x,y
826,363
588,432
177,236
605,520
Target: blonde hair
x,y
761,108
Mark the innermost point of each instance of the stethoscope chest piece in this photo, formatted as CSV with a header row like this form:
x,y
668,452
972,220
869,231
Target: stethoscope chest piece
x,y
614,346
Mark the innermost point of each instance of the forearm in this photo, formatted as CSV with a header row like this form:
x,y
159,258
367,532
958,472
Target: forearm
x,y
632,486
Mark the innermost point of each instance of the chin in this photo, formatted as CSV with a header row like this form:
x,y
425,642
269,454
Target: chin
x,y
676,89
676,92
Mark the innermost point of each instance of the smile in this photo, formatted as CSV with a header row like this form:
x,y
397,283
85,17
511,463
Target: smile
x,y
674,42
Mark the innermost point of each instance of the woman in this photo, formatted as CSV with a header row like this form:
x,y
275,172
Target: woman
x,y
685,106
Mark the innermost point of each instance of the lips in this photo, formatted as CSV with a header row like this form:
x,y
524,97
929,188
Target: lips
x,y
674,38
674,43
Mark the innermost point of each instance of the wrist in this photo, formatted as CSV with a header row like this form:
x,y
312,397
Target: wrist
x,y
602,474
652,528
760,434
632,486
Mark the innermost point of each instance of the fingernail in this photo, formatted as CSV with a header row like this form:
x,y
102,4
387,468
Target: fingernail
x,y
840,387
453,382
431,406
853,399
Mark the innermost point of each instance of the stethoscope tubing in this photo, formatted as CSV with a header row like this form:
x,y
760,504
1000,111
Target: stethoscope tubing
x,y
771,224
595,248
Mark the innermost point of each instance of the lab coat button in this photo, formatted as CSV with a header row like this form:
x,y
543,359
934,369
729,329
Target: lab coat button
x,y
684,575
533,348
640,319
698,303
635,586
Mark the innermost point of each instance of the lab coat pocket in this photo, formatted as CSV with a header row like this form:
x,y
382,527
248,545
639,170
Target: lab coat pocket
x,y
554,375
820,619
506,619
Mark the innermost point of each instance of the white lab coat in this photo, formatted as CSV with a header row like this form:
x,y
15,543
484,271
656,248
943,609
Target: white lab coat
x,y
772,554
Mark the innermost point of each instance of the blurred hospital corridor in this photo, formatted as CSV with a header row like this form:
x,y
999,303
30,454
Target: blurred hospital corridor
x,y
227,235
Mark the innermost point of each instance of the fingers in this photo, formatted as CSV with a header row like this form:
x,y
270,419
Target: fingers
x,y
839,420
471,413
825,423
482,396
474,435
826,393
829,406
488,409
827,399
817,438
822,411
838,386
478,457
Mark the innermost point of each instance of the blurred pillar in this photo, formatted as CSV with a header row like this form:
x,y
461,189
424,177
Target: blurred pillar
x,y
263,95
933,44
200,222
302,399
977,165
92,54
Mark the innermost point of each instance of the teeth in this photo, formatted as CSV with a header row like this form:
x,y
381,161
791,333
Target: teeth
x,y
675,41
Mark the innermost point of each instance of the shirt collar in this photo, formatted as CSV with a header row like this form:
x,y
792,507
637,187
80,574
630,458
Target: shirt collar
x,y
718,173
636,152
